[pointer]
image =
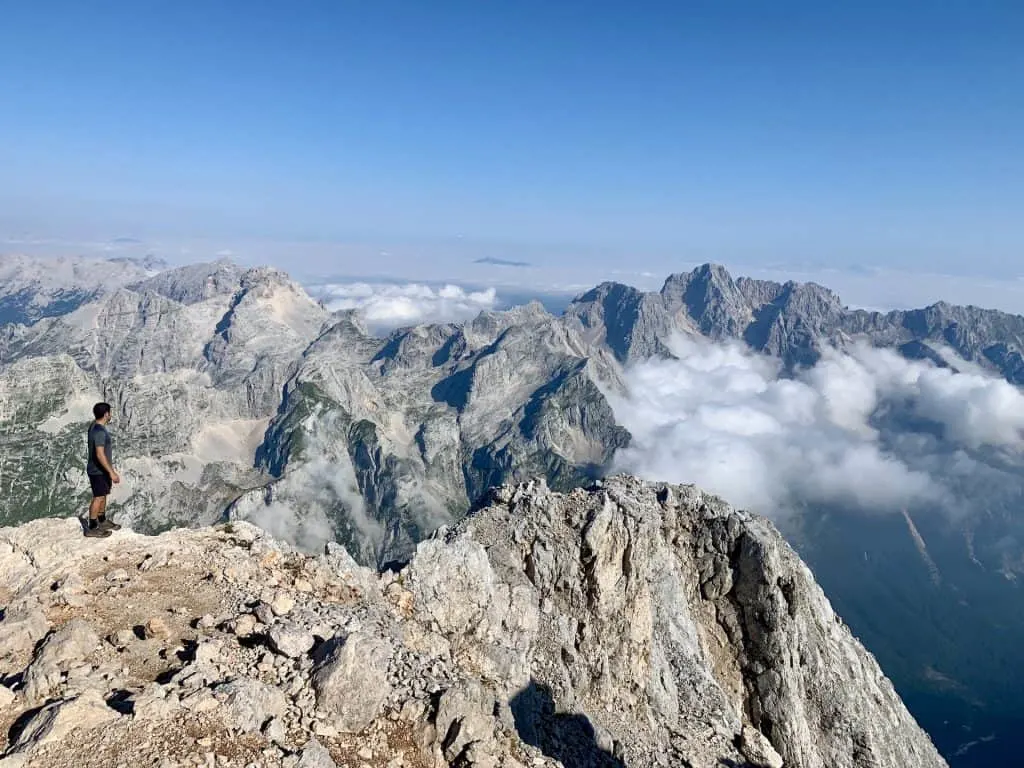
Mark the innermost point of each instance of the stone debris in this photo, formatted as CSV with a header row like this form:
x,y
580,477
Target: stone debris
x,y
627,625
291,640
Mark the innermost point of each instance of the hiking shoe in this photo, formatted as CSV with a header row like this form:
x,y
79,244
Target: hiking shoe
x,y
110,525
97,533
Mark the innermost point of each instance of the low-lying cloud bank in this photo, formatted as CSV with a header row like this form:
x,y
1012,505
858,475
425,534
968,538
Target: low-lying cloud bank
x,y
863,428
387,306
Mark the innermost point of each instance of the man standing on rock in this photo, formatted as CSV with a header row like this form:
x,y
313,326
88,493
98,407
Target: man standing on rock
x,y
102,474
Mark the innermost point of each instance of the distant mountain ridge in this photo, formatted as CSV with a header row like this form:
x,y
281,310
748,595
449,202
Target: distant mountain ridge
x,y
31,288
791,321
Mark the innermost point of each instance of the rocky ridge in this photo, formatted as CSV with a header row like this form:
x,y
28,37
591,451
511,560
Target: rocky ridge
x,y
631,624
32,288
336,434
792,321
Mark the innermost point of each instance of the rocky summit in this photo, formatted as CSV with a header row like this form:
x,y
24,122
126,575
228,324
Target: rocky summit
x,y
627,624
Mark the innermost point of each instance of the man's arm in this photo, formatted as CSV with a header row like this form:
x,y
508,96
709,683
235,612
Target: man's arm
x,y
101,458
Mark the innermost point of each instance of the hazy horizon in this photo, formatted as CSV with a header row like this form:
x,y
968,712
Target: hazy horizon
x,y
412,141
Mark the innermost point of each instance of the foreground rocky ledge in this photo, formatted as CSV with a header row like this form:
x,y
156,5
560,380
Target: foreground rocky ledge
x,y
631,624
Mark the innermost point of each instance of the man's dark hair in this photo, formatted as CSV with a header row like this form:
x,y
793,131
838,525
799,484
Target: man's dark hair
x,y
100,410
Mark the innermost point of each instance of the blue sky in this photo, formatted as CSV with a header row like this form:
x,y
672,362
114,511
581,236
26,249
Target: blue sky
x,y
378,136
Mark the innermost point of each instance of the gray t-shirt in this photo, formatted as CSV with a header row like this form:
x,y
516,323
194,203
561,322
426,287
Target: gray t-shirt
x,y
98,435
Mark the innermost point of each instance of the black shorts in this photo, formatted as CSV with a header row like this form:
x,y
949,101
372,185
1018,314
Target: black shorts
x,y
101,485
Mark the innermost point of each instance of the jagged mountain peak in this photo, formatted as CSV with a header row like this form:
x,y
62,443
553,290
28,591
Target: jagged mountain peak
x,y
705,275
265,276
794,321
489,319
195,283
350,321
631,624
607,288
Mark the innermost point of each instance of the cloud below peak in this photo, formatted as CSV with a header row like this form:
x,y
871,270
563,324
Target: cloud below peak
x,y
387,306
864,428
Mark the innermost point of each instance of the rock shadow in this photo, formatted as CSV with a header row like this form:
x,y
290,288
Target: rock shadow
x,y
122,701
569,738
21,723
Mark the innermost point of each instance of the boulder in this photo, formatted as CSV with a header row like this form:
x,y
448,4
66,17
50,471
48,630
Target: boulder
x,y
290,640
75,641
315,755
351,682
250,704
7,698
55,722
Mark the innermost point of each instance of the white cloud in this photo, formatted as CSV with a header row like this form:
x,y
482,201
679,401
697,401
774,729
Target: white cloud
x,y
387,306
866,429
309,530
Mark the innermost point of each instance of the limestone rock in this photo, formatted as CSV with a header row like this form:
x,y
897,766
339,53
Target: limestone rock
x,y
630,624
351,682
282,604
630,635
464,720
21,630
75,640
55,722
7,698
250,704
156,627
314,755
758,750
290,640
244,625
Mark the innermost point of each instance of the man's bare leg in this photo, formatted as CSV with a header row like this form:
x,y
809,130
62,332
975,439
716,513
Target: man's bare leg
x,y
95,527
97,508
110,525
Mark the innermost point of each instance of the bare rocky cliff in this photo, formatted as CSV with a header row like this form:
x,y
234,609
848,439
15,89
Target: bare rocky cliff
x,y
630,624
380,441
792,321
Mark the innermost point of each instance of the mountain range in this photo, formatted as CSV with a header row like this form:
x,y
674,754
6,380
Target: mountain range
x,y
238,396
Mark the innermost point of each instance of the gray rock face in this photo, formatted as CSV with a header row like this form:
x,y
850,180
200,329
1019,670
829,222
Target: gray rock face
x,y
193,361
378,442
234,390
314,755
54,722
631,624
7,699
290,640
75,640
670,620
195,283
375,442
